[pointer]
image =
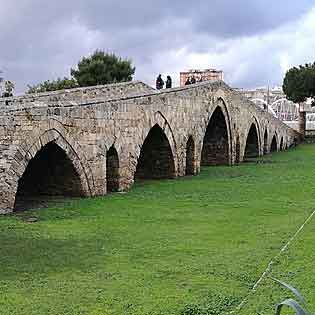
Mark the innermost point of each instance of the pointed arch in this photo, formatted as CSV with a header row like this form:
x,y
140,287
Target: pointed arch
x,y
190,157
274,145
252,143
49,173
28,148
216,141
156,159
149,121
112,170
56,135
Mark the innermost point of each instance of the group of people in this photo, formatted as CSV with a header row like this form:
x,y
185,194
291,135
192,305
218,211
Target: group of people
x,y
192,80
160,82
168,84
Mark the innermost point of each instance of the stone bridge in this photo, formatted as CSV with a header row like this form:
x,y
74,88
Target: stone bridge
x,y
91,141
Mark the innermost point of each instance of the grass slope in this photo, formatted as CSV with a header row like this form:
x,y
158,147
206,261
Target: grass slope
x,y
184,246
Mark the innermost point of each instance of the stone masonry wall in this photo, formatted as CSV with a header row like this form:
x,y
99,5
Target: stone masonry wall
x,y
79,95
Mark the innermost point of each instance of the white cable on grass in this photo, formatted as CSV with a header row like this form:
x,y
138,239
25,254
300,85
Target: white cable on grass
x,y
269,266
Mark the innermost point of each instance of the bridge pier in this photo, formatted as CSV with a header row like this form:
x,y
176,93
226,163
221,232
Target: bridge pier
x,y
127,169
190,158
7,199
302,124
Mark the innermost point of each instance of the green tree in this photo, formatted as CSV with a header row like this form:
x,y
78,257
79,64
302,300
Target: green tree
x,y
299,83
48,86
102,68
99,68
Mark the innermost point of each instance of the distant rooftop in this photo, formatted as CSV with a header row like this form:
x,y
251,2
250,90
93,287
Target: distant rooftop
x,y
209,74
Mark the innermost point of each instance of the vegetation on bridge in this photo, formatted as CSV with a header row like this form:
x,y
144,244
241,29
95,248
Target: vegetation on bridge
x,y
195,245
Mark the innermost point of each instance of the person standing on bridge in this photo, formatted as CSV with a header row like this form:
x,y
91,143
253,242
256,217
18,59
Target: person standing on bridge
x,y
188,81
168,82
159,82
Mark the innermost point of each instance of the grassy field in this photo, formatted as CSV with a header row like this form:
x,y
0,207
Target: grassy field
x,y
190,246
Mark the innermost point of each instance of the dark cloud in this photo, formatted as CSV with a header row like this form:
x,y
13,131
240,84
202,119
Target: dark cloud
x,y
224,18
42,39
229,19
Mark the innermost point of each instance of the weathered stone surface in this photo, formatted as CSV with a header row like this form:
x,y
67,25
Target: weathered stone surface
x,y
87,123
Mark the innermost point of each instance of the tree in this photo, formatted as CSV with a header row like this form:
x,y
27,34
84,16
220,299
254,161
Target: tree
x,y
299,83
48,86
99,68
102,68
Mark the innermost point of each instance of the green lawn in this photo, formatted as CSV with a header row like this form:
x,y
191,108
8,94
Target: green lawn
x,y
190,246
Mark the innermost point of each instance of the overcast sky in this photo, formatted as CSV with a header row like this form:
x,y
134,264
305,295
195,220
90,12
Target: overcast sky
x,y
253,41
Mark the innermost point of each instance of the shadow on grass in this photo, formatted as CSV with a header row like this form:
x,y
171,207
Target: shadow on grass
x,y
25,257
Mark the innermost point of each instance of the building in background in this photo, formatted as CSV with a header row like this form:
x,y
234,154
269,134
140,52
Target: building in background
x,y
205,75
274,101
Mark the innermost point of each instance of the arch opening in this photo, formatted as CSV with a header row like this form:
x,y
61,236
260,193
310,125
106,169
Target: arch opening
x,y
215,148
266,142
112,170
273,147
156,159
50,173
190,156
252,144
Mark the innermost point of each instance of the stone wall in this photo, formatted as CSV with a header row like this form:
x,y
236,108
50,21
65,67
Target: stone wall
x,y
86,128
79,95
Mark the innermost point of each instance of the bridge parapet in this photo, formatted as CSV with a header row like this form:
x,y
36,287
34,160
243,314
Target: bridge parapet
x,y
77,95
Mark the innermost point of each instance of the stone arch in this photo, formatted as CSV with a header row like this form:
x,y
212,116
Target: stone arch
x,y
156,158
149,120
216,146
112,170
281,144
190,157
252,143
51,166
266,146
274,144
